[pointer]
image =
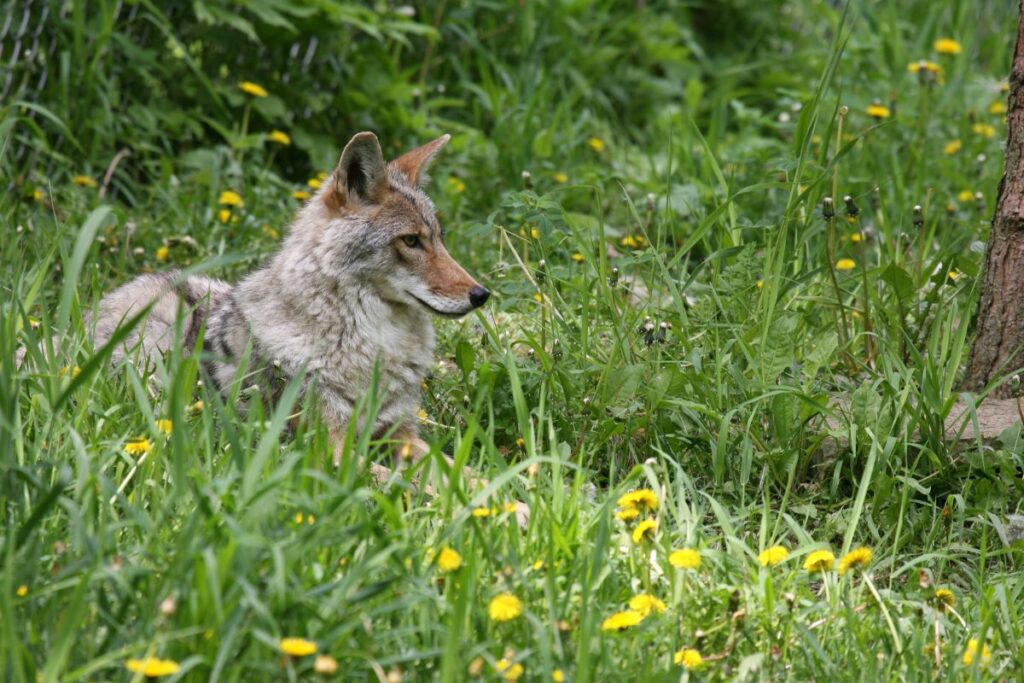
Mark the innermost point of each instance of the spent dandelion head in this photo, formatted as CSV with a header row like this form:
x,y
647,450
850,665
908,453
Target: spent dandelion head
x,y
325,665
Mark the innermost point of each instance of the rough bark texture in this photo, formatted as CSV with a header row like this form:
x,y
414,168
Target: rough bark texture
x,y
999,344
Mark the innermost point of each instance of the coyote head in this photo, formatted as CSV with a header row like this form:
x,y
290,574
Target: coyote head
x,y
374,225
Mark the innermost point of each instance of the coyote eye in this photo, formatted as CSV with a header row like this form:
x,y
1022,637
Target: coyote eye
x,y
412,241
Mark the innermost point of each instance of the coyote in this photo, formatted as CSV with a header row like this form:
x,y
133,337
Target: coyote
x,y
359,274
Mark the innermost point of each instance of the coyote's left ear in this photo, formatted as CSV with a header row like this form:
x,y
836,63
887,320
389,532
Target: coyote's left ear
x,y
413,165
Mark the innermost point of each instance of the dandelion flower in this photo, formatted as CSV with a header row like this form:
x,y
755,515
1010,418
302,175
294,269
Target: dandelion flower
x,y
250,88
645,604
846,264
856,237
301,195
280,137
644,531
138,446
620,621
948,46
952,147
230,198
773,556
560,178
971,653
557,676
924,65
596,144
457,185
878,111
689,658
508,670
945,598
504,607
643,499
819,561
998,107
1004,86
162,253
577,257
165,426
224,215
984,130
686,558
152,667
448,560
325,665
297,647
627,515
22,591
84,181
955,274
965,196
38,195
481,511
858,558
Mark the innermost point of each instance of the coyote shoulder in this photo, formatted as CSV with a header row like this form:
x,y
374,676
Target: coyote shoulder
x,y
359,274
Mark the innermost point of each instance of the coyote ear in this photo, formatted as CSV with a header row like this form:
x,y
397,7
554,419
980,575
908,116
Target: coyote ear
x,y
413,165
361,175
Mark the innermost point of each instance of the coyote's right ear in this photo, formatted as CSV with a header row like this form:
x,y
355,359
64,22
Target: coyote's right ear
x,y
361,176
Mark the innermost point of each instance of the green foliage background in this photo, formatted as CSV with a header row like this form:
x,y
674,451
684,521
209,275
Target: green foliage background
x,y
676,155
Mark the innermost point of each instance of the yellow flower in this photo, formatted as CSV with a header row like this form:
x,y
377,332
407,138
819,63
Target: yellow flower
x,y
310,519
859,558
644,531
197,407
230,198
270,232
138,446
689,658
38,195
508,507
557,676
22,591
75,371
984,130
947,46
972,651
645,604
448,560
421,415
250,88
299,518
954,274
965,196
162,253
878,111
457,185
481,511
773,556
620,621
924,65
627,515
1004,86
577,257
504,607
846,264
596,144
510,671
152,667
521,442
165,426
325,664
759,284
560,178
952,147
819,561
280,137
84,181
856,237
297,647
686,558
997,107
945,598
643,499
301,195
224,215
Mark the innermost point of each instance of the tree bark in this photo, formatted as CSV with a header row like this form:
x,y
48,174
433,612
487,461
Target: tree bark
x,y
998,347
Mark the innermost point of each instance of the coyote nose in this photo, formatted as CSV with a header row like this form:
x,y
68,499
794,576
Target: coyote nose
x,y
478,296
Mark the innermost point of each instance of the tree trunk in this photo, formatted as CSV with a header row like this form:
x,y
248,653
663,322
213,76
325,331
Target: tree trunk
x,y
999,345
